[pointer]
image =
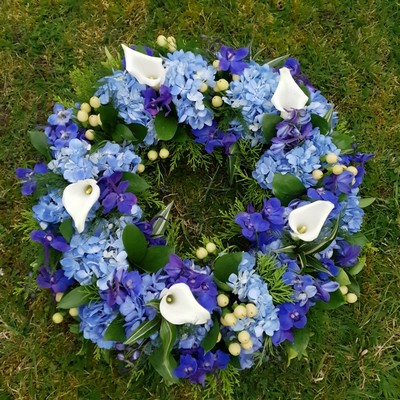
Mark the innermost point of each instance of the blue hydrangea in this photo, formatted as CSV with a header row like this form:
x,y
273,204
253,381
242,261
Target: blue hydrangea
x,y
95,319
319,105
186,73
353,214
252,93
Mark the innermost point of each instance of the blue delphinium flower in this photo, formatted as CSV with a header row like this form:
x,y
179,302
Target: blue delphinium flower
x,y
60,116
155,101
64,134
56,281
232,60
28,176
346,255
251,224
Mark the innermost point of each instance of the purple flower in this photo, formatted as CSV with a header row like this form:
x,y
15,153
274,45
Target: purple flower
x,y
154,102
186,368
339,183
251,224
56,281
293,65
27,174
292,315
273,212
47,239
64,133
231,59
211,136
61,115
324,288
346,255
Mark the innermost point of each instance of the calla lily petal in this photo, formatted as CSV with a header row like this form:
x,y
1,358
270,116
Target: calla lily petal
x,y
307,221
78,199
179,306
288,94
146,69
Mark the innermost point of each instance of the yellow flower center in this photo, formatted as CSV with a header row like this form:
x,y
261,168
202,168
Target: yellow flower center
x,y
302,229
88,189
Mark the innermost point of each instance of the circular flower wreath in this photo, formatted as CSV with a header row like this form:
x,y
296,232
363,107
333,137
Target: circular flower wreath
x,y
115,273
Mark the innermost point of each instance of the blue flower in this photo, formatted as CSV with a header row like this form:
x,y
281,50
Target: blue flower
x,y
61,115
230,59
49,209
28,176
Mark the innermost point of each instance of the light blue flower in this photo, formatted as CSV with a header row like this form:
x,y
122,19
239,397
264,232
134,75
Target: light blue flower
x,y
49,209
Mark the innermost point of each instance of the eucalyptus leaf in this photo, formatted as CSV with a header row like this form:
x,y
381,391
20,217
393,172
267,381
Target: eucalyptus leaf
x,y
66,229
168,337
75,298
211,337
39,142
116,330
136,183
226,265
135,243
287,187
268,125
161,220
156,258
165,126
320,122
144,330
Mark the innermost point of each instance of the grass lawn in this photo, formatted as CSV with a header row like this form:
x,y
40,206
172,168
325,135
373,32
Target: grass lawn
x,y
350,49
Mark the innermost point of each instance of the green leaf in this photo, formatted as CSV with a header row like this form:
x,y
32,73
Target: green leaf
x,y
164,366
357,239
343,142
329,116
135,243
268,125
356,269
316,265
154,303
232,163
366,202
287,187
75,298
67,230
335,301
299,346
211,337
139,131
122,133
168,337
97,146
136,183
39,142
116,330
342,278
277,61
74,328
144,330
108,116
161,220
156,258
306,92
165,126
227,264
320,122
354,286
181,135
222,285
287,250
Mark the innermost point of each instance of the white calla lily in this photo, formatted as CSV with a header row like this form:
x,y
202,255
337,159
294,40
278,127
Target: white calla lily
x,y
307,221
288,94
146,69
178,306
78,199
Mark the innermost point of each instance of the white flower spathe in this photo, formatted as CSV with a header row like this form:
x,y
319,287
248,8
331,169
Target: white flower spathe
x,y
78,199
146,69
307,221
178,306
288,94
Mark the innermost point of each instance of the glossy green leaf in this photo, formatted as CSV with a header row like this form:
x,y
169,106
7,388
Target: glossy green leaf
x,y
343,142
320,122
226,265
222,285
136,183
122,133
164,366
329,116
211,337
299,346
116,330
161,220
268,125
139,132
165,126
287,187
366,202
39,142
356,269
182,135
135,243
156,258
342,278
75,298
108,115
67,230
336,300
358,239
354,286
168,337
144,330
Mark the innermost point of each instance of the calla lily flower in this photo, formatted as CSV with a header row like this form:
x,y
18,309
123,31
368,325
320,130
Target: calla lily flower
x,y
78,199
288,94
307,221
178,306
146,69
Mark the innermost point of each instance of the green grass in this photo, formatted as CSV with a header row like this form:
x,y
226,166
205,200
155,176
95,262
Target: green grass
x,y
349,49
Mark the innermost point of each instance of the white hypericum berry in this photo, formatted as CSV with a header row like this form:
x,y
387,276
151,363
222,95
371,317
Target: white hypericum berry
x,y
244,337
230,319
162,41
353,170
222,84
59,296
211,247
235,77
337,169
252,310
222,321
222,300
317,174
57,318
219,337
152,155
240,312
248,345
73,312
95,102
203,88
234,349
216,101
90,134
344,290
201,253
140,168
216,64
331,158
94,120
82,116
86,107
351,298
164,153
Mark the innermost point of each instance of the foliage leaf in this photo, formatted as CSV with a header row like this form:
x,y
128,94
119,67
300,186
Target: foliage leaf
x,y
122,132
144,330
343,142
277,61
168,337
75,298
156,257
358,239
329,116
136,183
39,142
268,125
335,301
211,337
320,122
366,202
165,126
356,269
161,220
299,346
139,132
226,265
354,286
135,243
116,330
287,187
233,161
108,116
67,230
342,278
222,285
164,366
